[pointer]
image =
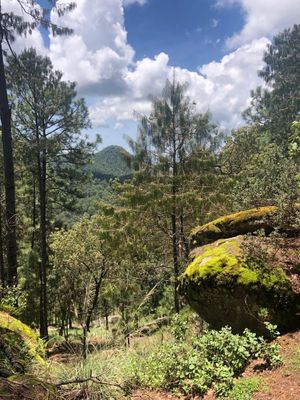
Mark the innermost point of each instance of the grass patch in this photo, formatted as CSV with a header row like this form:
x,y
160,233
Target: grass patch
x,y
114,366
245,388
295,360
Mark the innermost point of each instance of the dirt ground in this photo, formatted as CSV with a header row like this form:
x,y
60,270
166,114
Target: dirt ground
x,y
283,383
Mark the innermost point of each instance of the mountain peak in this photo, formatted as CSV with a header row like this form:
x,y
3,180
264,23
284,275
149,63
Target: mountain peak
x,y
111,162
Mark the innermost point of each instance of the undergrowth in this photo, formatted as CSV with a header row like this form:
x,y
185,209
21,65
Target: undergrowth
x,y
192,365
178,359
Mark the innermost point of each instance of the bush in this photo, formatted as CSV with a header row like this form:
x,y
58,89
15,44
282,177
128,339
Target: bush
x,y
192,365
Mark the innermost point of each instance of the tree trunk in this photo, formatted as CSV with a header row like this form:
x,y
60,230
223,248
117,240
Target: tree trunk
x,y
2,268
9,176
70,319
43,243
174,224
183,238
175,250
88,320
175,262
106,313
33,215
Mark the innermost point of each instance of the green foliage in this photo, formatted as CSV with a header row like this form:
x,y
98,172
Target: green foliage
x,y
276,107
180,325
294,145
166,302
245,388
262,172
192,365
173,156
269,178
13,300
113,367
14,23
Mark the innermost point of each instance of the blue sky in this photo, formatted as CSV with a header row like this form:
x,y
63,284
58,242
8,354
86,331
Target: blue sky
x,y
122,51
191,32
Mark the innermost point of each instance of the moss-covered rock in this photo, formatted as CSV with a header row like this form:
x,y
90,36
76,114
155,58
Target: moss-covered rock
x,y
239,223
19,346
227,288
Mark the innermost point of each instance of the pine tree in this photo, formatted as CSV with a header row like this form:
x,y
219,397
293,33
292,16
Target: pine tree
x,y
174,154
275,108
49,119
10,25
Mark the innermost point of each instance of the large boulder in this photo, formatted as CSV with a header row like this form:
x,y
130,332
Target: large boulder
x,y
241,223
20,346
243,281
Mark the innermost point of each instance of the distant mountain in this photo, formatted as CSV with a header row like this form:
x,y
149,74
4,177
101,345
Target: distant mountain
x,y
111,162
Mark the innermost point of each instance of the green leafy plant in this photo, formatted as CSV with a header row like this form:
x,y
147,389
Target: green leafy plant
x,y
12,300
192,365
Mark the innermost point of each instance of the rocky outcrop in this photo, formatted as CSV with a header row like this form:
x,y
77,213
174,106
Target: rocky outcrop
x,y
241,223
243,281
19,346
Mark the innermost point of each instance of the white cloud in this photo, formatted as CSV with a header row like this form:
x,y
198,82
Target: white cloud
x,y
214,23
100,59
230,82
35,39
221,87
129,2
148,76
263,18
97,55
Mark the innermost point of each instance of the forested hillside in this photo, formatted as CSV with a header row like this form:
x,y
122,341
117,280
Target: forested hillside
x,y
111,162
167,271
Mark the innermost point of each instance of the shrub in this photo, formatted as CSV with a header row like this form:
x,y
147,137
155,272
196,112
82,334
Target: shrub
x,y
192,365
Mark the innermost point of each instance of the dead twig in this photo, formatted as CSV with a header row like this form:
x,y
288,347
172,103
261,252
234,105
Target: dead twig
x,y
93,379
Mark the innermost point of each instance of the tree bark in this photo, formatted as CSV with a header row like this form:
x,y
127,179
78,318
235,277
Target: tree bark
x,y
33,215
88,320
2,268
174,225
175,262
9,175
42,167
183,238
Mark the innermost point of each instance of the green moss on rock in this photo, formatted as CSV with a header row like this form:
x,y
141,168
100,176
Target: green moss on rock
x,y
19,346
224,263
239,223
227,289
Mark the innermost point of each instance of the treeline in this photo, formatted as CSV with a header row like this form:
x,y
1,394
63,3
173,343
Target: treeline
x,y
129,254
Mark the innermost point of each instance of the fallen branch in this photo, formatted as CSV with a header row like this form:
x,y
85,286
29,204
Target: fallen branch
x,y
151,327
93,379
